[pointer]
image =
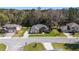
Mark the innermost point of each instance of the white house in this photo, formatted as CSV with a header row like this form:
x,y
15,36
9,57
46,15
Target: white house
x,y
11,28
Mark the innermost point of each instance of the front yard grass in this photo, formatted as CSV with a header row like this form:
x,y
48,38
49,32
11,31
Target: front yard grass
x,y
21,32
60,46
53,33
1,33
34,47
76,35
2,47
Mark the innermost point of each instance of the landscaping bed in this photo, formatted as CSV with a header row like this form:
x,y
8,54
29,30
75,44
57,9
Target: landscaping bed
x,y
2,47
34,47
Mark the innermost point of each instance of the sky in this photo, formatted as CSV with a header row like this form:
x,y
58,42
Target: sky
x,y
20,8
39,3
33,4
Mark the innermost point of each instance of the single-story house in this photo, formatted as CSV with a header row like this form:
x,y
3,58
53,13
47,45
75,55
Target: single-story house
x,y
39,28
9,28
70,27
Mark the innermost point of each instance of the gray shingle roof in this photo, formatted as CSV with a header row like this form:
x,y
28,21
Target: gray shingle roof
x,y
72,24
10,25
36,28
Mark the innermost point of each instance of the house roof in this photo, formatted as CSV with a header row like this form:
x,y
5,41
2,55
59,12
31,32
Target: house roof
x,y
36,28
39,26
63,27
72,24
11,25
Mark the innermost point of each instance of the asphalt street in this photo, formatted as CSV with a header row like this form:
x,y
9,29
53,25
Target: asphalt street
x,y
15,43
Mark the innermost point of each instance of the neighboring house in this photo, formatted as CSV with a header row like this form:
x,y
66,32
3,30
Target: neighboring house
x,y
39,28
9,28
70,27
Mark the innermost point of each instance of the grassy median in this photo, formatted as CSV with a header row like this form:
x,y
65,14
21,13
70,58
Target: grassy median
x,y
34,47
60,46
2,47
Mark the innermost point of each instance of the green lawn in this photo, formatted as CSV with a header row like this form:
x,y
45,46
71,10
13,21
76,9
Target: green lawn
x,y
34,47
53,33
1,33
2,47
76,35
21,32
60,46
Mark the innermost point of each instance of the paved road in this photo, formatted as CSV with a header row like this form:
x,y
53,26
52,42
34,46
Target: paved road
x,y
15,44
41,39
19,42
48,46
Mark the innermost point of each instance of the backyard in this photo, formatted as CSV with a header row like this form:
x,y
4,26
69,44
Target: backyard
x,y
34,47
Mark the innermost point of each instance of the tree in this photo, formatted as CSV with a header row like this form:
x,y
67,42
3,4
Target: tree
x,y
49,17
39,8
72,46
3,19
34,45
11,18
72,14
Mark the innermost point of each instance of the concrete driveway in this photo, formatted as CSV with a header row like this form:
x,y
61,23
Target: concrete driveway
x,y
26,34
68,35
9,34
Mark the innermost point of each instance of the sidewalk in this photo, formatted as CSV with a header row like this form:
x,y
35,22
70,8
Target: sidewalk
x,y
48,46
